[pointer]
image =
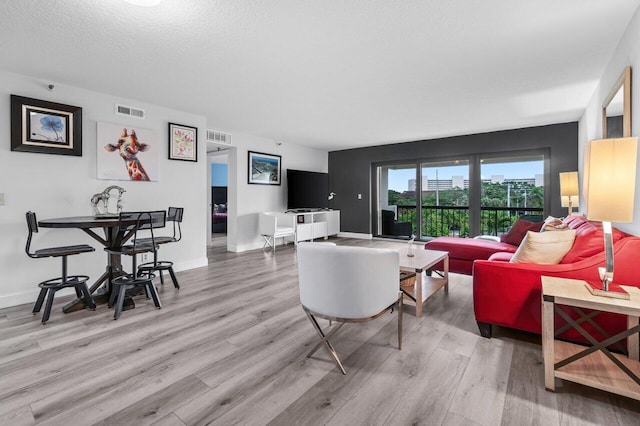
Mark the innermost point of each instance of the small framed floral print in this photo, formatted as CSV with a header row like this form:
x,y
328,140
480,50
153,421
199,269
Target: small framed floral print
x,y
183,142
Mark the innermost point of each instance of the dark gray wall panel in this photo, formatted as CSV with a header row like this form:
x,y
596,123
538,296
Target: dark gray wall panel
x,y
350,170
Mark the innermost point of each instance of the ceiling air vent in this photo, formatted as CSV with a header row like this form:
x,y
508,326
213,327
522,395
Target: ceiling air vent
x,y
130,111
217,136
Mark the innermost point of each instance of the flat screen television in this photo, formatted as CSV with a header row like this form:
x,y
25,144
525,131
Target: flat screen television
x,y
307,190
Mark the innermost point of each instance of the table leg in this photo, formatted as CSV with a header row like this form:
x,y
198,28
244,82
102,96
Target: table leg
x,y
548,345
418,292
632,341
446,275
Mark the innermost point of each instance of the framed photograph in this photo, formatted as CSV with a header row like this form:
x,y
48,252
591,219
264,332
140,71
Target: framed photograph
x,y
45,127
300,218
183,142
264,169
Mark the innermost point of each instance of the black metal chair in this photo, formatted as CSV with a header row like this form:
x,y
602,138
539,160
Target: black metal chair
x,y
134,222
174,215
78,282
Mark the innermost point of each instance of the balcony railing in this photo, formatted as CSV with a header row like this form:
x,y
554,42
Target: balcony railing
x,y
454,220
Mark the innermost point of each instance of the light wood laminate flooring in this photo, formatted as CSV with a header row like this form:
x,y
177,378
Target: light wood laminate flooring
x,y
229,348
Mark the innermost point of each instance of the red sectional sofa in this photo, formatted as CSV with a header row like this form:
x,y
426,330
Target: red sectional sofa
x,y
463,251
510,294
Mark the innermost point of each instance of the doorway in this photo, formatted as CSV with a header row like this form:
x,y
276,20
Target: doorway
x,y
219,201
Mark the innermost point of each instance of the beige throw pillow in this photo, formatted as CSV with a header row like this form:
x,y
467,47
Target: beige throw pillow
x,y
553,224
546,248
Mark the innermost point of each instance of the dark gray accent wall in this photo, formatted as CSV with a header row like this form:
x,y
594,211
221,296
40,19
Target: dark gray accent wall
x,y
350,171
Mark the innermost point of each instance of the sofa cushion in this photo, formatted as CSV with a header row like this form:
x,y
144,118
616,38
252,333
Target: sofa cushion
x,y
589,240
518,231
501,256
544,248
468,248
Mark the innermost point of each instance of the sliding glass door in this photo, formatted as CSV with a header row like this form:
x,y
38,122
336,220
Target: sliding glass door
x,y
464,197
444,199
511,187
396,210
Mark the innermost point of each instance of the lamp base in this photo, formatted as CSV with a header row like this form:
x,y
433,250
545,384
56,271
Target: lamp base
x,y
614,291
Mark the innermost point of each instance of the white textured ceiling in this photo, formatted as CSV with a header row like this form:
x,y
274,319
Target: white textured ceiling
x,y
331,74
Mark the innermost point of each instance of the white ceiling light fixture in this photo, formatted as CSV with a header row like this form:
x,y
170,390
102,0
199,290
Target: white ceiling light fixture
x,y
144,3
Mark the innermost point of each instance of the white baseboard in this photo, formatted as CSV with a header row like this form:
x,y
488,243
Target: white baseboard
x,y
355,235
15,299
30,296
191,264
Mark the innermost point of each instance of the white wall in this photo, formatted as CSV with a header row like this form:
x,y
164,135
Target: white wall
x,y
590,125
246,201
59,186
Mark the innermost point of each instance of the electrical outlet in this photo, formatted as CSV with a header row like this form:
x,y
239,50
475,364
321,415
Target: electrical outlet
x,y
2,200
144,257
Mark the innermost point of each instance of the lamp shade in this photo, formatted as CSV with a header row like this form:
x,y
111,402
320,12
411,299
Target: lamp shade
x,y
610,173
569,184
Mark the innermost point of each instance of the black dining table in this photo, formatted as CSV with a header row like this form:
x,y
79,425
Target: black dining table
x,y
114,237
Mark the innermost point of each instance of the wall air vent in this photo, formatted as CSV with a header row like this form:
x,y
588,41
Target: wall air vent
x,y
216,136
130,111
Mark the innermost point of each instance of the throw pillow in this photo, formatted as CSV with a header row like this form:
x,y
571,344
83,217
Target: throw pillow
x,y
519,230
554,224
545,248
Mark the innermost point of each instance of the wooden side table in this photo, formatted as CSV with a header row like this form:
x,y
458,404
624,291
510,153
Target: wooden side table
x,y
424,287
593,366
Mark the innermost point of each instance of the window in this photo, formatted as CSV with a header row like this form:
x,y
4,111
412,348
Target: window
x,y
474,195
511,187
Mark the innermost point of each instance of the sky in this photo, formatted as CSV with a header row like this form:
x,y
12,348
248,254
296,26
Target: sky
x,y
399,179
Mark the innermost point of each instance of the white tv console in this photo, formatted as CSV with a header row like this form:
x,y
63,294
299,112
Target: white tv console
x,y
316,224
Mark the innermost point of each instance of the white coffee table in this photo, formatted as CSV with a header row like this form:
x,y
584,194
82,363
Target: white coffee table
x,y
425,286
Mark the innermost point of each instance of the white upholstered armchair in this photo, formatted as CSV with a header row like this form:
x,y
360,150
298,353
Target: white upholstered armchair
x,y
347,284
272,225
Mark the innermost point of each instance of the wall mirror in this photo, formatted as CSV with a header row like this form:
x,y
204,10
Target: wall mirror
x,y
616,108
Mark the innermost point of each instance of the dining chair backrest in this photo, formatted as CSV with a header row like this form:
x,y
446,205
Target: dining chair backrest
x,y
32,224
175,215
146,220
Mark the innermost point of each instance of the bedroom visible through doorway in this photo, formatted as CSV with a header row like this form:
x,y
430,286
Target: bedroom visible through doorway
x,y
219,198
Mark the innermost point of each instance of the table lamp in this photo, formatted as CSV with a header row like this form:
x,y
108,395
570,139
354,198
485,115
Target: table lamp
x,y
610,178
569,190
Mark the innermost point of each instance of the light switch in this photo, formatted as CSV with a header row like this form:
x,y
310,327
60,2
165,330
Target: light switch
x,y
2,202
359,196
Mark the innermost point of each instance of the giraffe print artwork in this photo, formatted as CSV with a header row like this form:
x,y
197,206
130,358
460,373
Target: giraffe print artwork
x,y
128,147
118,144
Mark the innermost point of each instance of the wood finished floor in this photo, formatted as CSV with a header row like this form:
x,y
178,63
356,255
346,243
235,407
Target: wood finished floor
x,y
229,348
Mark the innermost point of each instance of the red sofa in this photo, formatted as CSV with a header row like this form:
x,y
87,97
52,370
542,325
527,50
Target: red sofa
x,y
463,251
509,294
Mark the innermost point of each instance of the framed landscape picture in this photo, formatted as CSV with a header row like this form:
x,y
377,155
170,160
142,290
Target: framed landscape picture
x,y
45,127
264,169
183,142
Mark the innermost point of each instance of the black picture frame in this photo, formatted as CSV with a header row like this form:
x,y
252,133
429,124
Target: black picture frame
x,y
183,142
264,169
300,218
45,127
